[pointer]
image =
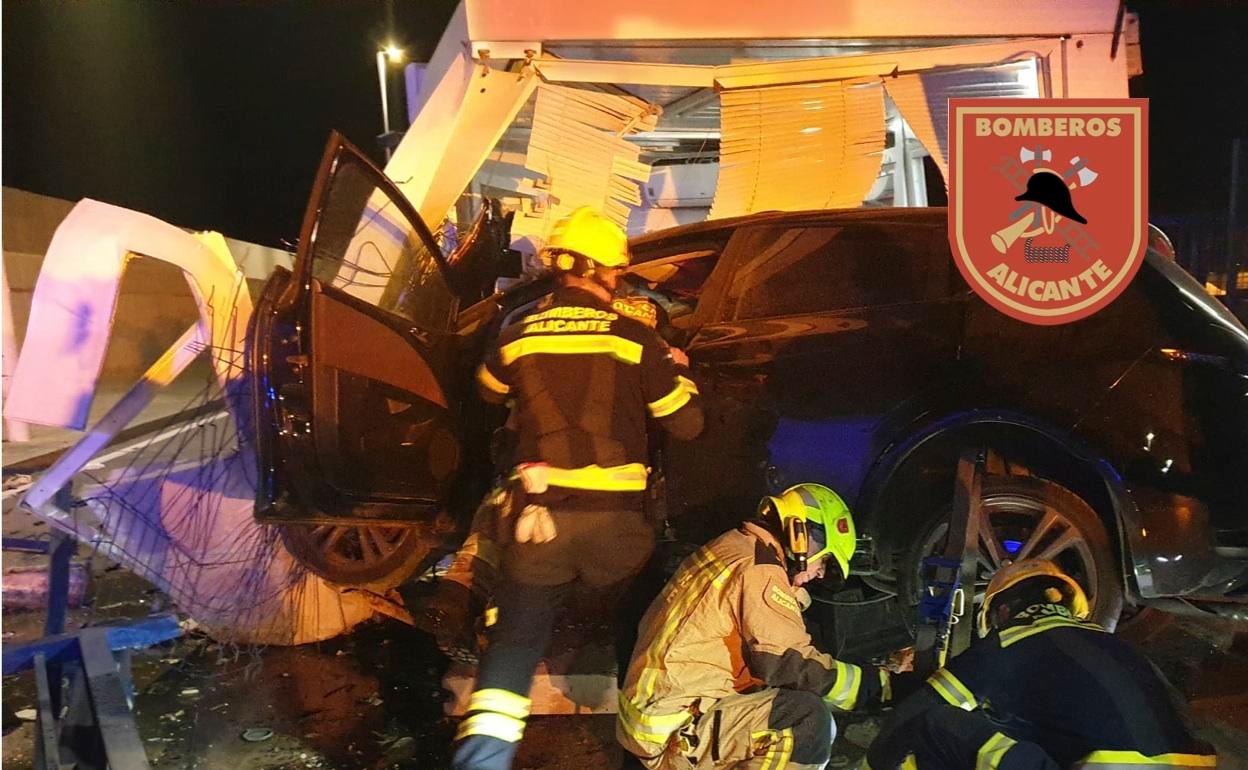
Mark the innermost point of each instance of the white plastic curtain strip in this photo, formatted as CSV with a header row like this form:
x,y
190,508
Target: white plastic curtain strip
x,y
908,94
578,144
797,147
922,98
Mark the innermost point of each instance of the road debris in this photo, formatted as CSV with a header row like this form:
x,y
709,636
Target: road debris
x,y
15,481
26,588
258,735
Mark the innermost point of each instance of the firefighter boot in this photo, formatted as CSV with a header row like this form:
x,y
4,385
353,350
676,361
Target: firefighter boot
x,y
460,599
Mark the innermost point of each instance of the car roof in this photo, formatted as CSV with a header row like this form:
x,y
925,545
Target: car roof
x,y
929,215
911,215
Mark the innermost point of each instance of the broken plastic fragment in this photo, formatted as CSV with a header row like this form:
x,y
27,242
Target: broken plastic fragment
x,y
257,734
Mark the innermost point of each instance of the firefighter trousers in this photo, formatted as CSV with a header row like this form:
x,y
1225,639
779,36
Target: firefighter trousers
x,y
597,548
773,729
948,738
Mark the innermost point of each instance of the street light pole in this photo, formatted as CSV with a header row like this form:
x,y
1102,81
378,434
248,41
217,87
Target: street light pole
x,y
394,55
385,98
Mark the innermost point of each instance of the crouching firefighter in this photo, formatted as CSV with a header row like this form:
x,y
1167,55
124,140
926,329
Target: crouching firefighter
x,y
582,379
1043,688
724,673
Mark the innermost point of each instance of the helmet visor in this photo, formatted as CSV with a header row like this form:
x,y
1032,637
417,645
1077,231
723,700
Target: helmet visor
x,y
817,539
817,533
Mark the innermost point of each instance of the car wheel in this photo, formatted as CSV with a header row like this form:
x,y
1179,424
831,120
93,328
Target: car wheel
x,y
1030,518
377,557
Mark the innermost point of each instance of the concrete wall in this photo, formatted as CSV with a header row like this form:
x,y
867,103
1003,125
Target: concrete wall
x,y
155,305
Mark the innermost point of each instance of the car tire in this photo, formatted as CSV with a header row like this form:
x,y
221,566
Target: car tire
x,y
373,557
1068,524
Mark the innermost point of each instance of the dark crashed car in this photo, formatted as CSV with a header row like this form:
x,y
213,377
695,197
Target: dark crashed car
x,y
839,347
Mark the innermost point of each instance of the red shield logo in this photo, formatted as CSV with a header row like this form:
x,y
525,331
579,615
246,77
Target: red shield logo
x,y
1048,202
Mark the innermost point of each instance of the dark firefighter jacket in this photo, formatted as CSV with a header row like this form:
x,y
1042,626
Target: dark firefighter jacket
x,y
1066,685
583,378
728,622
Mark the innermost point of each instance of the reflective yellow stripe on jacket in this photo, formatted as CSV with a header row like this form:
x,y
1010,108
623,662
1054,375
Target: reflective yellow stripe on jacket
x,y
490,382
649,728
656,729
952,690
1018,633
993,751
1134,760
707,571
569,344
684,390
886,686
844,694
617,478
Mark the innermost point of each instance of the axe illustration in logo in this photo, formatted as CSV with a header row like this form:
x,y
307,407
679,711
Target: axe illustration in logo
x,y
1047,201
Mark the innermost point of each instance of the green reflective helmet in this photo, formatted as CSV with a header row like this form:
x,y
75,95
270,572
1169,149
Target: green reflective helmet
x,y
816,522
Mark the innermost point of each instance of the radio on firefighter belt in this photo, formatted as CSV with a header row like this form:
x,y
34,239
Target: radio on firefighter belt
x,y
945,608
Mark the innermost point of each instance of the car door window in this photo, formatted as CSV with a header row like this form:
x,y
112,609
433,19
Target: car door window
x,y
365,246
673,272
355,358
788,269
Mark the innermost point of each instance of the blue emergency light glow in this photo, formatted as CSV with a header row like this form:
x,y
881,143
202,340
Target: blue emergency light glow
x,y
1012,546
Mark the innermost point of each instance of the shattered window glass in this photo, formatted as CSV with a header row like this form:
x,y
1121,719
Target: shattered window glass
x,y
365,245
816,268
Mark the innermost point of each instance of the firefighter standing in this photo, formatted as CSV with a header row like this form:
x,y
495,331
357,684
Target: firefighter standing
x,y
1044,689
582,379
724,673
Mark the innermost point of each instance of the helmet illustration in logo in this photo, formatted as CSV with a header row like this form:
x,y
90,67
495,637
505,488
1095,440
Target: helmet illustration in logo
x,y
1046,201
1048,189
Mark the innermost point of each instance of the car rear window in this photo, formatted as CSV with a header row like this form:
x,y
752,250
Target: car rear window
x,y
814,267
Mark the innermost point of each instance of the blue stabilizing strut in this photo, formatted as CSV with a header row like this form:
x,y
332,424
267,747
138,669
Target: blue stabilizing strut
x,y
936,604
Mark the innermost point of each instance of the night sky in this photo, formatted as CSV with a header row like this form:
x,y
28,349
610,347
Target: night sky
x,y
214,114
211,115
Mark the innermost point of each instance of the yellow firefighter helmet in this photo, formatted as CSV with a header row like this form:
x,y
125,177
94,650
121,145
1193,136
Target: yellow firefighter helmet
x,y
816,522
1011,575
585,233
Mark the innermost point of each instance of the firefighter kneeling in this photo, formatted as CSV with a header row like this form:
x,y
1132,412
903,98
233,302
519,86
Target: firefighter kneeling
x,y
1044,688
729,620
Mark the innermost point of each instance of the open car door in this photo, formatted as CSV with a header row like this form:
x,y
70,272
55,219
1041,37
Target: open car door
x,y
355,429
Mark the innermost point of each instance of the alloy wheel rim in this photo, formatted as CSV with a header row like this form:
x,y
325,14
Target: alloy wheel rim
x,y
1023,527
354,548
